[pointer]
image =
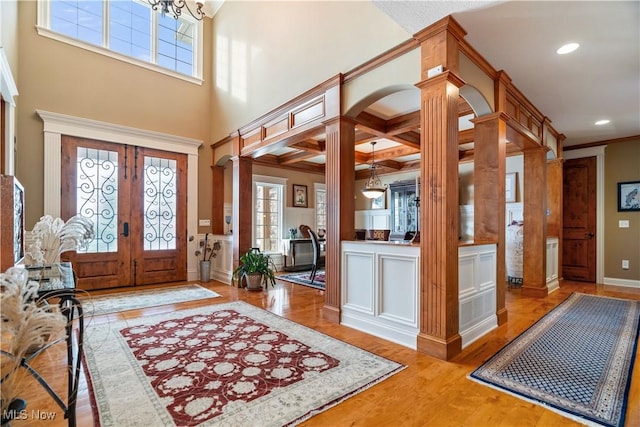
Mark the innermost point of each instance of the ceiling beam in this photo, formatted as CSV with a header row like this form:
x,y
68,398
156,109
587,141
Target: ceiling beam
x,y
295,157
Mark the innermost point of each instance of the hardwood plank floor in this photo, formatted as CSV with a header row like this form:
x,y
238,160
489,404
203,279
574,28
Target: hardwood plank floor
x,y
430,392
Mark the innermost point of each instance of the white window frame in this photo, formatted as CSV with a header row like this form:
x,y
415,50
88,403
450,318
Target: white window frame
x,y
319,187
274,181
43,23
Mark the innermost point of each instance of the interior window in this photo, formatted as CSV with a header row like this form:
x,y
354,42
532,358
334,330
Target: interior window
x,y
321,208
403,208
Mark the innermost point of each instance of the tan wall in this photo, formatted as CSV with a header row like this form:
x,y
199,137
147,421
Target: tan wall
x,y
286,48
622,164
60,78
9,33
280,50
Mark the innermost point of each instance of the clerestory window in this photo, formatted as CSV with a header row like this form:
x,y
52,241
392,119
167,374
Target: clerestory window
x,y
129,30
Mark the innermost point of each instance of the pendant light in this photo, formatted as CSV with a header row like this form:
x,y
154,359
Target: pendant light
x,y
373,188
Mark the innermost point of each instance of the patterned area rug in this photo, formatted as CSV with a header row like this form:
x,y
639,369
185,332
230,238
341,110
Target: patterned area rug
x,y
230,364
576,360
303,279
113,303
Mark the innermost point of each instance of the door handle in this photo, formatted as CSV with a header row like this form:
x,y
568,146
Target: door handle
x,y
125,230
589,235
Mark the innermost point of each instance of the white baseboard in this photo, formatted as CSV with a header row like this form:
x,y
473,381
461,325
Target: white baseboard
x,y
622,282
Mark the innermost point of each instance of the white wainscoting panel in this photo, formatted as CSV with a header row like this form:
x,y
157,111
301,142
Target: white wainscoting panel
x,y
477,266
380,288
358,272
222,264
553,284
398,275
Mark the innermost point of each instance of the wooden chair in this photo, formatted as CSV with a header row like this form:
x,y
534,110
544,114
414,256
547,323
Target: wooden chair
x,y
318,259
304,231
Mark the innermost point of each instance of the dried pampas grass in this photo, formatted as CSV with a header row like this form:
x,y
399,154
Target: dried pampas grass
x,y
26,324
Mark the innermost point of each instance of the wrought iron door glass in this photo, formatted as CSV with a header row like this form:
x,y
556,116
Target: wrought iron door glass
x,y
160,190
97,196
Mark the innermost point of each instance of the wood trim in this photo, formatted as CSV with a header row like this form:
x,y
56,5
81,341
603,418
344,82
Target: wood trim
x,y
217,199
448,24
383,58
439,312
489,201
340,187
242,208
293,103
598,143
223,141
535,223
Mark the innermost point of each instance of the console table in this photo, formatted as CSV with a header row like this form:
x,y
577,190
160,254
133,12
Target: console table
x,y
298,253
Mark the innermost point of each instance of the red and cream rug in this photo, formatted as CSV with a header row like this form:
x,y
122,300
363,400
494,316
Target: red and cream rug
x,y
227,364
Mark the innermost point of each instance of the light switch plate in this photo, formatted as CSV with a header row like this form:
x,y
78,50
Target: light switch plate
x,y
623,223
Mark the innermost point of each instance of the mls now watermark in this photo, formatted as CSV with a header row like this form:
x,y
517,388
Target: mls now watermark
x,y
34,414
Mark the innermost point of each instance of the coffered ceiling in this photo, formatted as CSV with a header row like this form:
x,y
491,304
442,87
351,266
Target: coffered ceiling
x,y
601,80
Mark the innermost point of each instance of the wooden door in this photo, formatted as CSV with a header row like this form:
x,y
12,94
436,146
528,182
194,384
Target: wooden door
x,y
136,198
579,220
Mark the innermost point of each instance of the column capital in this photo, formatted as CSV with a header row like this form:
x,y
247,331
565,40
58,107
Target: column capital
x,y
444,77
500,115
339,119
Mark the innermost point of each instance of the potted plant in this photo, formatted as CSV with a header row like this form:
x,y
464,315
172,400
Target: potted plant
x,y
256,268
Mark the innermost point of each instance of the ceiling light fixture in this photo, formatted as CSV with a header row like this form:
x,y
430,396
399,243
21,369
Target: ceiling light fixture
x,y
603,122
373,188
175,7
567,48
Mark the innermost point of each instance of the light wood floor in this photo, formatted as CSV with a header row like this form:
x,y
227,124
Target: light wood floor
x,y
429,392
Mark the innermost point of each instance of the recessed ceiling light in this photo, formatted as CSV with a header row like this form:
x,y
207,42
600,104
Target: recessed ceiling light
x,y
567,48
602,122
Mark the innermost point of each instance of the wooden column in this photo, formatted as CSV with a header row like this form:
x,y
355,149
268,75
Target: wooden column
x,y
340,183
242,206
439,320
489,206
217,199
439,317
535,223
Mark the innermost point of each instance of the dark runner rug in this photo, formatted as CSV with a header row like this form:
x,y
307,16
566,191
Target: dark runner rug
x,y
302,278
576,360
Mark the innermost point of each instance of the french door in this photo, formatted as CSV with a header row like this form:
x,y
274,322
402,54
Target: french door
x,y
136,198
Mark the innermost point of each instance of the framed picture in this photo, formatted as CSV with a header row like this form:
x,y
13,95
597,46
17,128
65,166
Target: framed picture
x,y
300,196
510,187
629,196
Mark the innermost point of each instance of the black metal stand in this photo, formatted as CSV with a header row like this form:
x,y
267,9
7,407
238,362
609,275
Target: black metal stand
x,y
71,309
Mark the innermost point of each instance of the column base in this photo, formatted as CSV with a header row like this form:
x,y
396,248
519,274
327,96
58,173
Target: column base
x,y
331,314
502,316
534,292
439,348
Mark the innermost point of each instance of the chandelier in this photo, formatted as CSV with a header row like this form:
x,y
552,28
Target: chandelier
x,y
175,7
373,188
